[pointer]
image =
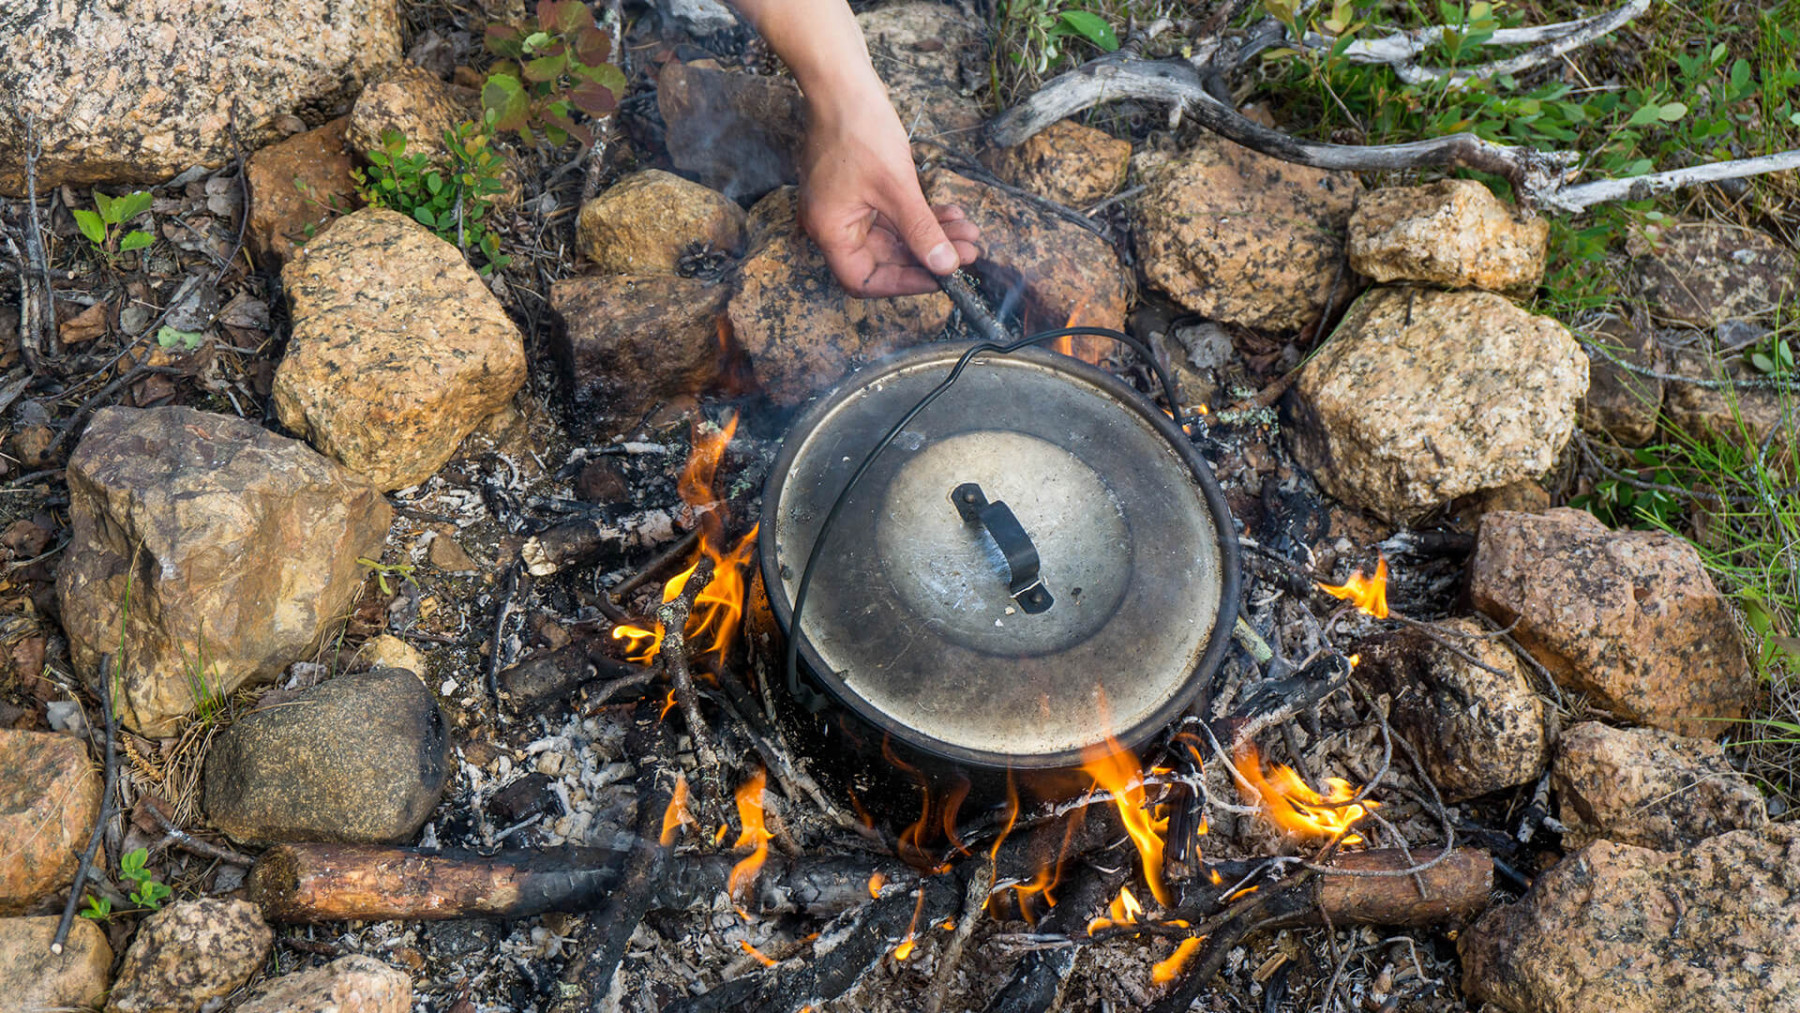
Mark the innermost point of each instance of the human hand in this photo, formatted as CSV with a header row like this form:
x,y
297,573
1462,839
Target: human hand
x,y
860,201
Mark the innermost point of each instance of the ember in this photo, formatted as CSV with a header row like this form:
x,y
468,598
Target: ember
x,y
1368,594
1293,806
676,814
761,957
754,835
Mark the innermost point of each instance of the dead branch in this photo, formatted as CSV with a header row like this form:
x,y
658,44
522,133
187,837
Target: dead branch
x,y
108,789
673,615
37,308
575,542
1575,198
548,677
1040,974
975,899
1457,886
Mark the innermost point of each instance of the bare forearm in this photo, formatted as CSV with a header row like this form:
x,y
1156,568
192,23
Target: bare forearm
x,y
821,43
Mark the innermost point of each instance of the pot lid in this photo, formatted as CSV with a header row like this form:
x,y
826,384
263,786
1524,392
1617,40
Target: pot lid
x,y
1034,562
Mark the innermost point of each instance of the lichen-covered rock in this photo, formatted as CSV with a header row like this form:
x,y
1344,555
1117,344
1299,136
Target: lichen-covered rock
x,y
297,183
354,984
33,978
644,223
919,50
1629,617
1420,397
137,92
1242,237
1475,731
190,952
1066,162
1621,403
1454,233
1524,496
801,329
1745,414
1704,273
740,134
1069,275
360,758
49,800
1648,787
1620,929
238,546
413,102
398,350
629,342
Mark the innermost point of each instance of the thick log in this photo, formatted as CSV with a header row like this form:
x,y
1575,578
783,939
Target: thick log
x,y
1455,889
572,543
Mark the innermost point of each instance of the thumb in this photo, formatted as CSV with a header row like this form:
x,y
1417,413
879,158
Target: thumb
x,y
918,226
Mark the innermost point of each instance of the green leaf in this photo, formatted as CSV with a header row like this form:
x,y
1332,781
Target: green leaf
x,y
1091,27
132,862
425,217
1763,363
505,98
546,68
169,337
504,40
1645,114
434,183
105,204
131,205
592,46
1672,112
536,41
91,226
136,241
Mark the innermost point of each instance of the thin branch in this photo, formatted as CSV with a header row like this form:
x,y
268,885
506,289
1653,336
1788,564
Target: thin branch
x,y
1575,198
85,869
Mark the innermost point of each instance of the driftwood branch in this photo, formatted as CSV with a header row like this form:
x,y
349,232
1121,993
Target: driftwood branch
x,y
1575,198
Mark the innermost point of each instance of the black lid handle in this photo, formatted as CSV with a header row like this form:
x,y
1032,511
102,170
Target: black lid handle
x,y
1025,585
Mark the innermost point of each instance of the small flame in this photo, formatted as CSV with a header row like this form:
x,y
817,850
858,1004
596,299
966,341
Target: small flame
x,y
677,812
668,705
1088,349
905,948
876,882
1368,594
750,815
760,956
1294,806
719,608
1124,910
1116,769
1168,970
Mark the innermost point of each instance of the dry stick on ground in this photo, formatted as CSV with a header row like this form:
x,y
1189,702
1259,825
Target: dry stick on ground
x,y
194,845
109,787
1041,974
602,941
975,898
502,612
37,309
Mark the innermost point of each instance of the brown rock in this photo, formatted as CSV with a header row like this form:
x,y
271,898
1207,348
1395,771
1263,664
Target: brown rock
x,y
238,546
448,556
1068,273
801,329
1745,415
1629,617
360,758
1454,233
740,134
1650,788
919,50
49,800
388,651
1475,731
1525,497
630,342
398,349
138,92
1620,929
1066,162
354,984
1704,273
1420,397
292,186
33,978
1619,402
413,102
188,953
1242,237
644,223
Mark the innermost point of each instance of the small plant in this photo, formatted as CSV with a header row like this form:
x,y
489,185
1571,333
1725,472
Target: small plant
x,y
145,892
451,200
98,908
1775,358
402,571
169,337
1042,27
100,226
550,72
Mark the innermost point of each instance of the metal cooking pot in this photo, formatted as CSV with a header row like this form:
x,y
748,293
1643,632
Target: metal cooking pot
x,y
1039,559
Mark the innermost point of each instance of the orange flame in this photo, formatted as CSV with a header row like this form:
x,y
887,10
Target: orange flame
x,y
761,957
677,812
1116,769
1124,910
905,948
1168,970
876,882
750,815
719,608
1368,594
1088,349
1292,805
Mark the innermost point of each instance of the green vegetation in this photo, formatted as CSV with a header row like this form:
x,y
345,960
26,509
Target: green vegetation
x,y
101,227
450,196
550,71
146,892
400,571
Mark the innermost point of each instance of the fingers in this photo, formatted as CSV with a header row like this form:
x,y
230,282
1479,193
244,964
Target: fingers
x,y
918,226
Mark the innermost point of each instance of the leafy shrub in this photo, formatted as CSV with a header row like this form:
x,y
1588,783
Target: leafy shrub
x,y
98,226
452,200
550,72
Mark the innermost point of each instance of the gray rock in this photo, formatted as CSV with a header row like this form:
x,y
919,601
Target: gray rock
x,y
701,17
238,546
354,984
1621,929
188,953
360,758
137,92
629,342
919,50
1619,402
1475,731
1649,787
1704,273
